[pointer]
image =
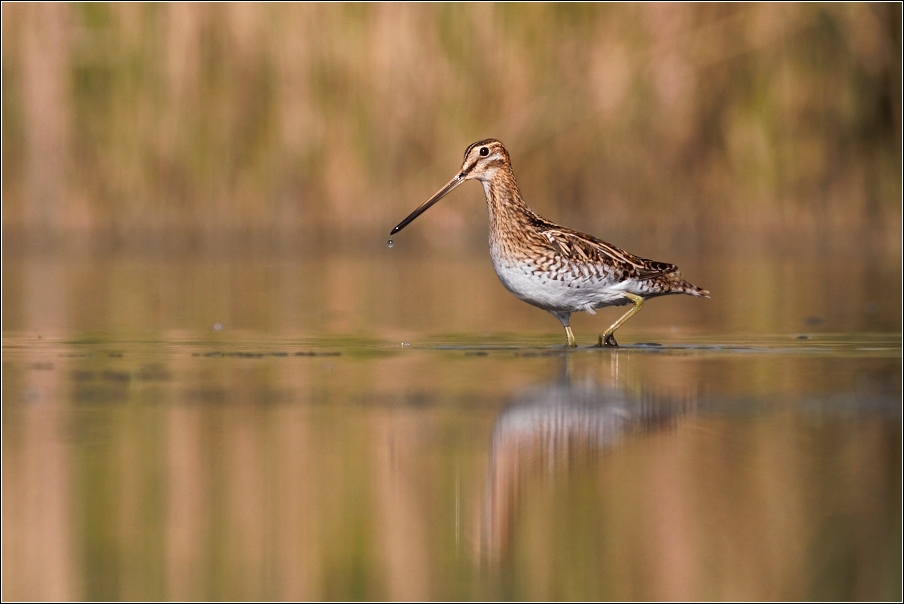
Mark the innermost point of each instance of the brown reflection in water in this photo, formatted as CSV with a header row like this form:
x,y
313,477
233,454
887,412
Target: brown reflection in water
x,y
146,472
39,547
242,478
186,518
550,430
403,528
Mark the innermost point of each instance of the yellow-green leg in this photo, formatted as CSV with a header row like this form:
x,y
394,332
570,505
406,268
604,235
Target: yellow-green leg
x,y
565,319
570,337
608,337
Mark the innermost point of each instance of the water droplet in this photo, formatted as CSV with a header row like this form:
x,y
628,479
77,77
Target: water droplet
x,y
389,243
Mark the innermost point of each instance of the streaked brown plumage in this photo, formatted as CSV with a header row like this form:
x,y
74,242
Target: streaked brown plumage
x,y
552,267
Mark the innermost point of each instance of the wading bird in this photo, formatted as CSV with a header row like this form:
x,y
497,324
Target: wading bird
x,y
552,267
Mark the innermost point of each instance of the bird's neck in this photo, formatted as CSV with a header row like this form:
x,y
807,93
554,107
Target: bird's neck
x,y
506,207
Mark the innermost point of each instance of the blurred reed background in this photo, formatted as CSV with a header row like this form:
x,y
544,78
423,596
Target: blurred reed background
x,y
237,126
185,180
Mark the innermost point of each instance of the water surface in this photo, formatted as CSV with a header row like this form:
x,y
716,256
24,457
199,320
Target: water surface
x,y
264,430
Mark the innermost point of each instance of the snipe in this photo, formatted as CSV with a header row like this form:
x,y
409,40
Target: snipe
x,y
552,267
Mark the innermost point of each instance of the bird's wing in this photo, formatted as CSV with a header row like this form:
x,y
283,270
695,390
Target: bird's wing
x,y
587,249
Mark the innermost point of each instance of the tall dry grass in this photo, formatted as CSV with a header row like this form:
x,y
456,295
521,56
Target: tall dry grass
x,y
311,123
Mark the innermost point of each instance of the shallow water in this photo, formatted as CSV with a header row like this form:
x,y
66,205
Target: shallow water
x,y
264,430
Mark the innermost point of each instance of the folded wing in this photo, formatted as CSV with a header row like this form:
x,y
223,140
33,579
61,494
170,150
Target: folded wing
x,y
579,247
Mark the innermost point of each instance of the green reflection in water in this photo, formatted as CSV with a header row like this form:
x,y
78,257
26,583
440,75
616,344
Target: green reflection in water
x,y
361,469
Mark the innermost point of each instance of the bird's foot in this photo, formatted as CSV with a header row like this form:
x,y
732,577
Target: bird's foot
x,y
569,336
608,341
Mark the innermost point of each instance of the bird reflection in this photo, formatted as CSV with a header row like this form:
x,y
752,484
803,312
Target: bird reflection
x,y
547,430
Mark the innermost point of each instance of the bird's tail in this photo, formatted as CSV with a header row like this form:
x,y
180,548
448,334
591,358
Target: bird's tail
x,y
693,290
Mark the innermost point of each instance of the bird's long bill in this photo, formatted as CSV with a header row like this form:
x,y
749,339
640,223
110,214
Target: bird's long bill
x,y
459,178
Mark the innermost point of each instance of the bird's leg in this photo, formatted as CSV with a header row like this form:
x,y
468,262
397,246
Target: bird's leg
x,y
565,319
608,337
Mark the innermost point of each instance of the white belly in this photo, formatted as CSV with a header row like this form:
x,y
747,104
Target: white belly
x,y
570,293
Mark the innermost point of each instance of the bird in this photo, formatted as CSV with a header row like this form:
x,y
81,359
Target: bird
x,y
557,269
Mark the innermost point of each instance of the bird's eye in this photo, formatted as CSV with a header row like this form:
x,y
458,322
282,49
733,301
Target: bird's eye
x,y
484,151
